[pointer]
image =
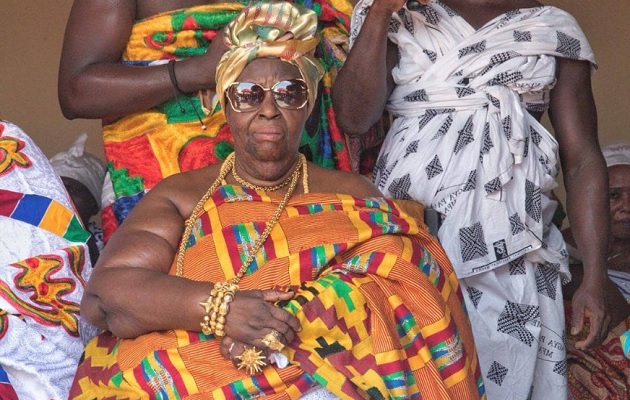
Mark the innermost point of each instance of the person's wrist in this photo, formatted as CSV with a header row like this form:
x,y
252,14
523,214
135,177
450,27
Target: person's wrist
x,y
382,10
173,77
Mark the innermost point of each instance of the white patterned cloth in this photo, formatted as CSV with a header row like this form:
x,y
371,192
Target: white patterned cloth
x,y
43,269
463,143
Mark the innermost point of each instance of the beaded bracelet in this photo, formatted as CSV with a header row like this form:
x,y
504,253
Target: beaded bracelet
x,y
216,308
207,306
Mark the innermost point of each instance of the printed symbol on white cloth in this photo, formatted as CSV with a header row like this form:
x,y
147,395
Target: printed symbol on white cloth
x,y
500,249
472,242
431,16
394,26
431,54
546,280
514,318
444,128
517,267
516,224
475,295
434,168
476,48
497,373
522,36
399,188
568,45
465,135
533,200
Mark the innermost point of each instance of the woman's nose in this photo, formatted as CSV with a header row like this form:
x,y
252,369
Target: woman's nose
x,y
268,107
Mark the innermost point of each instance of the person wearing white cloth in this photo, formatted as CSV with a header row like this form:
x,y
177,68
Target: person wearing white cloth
x,y
43,270
467,85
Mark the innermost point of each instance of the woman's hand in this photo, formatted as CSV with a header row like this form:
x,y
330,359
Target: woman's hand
x,y
253,315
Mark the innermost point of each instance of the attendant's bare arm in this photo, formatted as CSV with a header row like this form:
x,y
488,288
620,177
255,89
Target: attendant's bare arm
x,y
364,82
130,292
574,119
92,82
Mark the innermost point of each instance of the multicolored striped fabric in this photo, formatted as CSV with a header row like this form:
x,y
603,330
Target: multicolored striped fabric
x,y
42,212
377,299
145,147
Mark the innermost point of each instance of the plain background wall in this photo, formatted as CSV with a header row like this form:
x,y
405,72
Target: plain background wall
x,y
31,35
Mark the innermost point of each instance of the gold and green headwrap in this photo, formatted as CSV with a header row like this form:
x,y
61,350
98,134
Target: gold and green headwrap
x,y
254,33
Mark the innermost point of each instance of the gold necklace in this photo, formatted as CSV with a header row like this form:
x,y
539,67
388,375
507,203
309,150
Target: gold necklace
x,y
228,165
250,185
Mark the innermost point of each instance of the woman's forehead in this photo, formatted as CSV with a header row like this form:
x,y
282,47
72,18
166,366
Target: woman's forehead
x,y
268,68
619,176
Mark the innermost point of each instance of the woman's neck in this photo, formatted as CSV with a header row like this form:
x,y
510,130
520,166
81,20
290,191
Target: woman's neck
x,y
265,174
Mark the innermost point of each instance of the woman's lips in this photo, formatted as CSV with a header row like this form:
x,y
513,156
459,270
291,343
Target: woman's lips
x,y
271,134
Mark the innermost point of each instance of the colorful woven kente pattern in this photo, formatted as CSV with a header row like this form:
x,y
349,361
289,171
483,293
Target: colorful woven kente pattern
x,y
43,212
144,148
378,302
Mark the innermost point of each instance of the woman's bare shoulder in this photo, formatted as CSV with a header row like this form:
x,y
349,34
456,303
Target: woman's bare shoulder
x,y
324,180
185,188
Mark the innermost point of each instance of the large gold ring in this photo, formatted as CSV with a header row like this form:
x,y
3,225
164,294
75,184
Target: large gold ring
x,y
272,340
252,360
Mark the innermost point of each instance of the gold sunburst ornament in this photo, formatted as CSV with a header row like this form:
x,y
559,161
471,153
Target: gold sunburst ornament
x,y
252,360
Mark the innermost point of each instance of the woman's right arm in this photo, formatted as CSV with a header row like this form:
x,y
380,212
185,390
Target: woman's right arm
x,y
92,81
364,82
130,292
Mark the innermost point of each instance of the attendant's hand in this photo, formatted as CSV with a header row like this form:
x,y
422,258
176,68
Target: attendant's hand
x,y
253,315
198,73
589,302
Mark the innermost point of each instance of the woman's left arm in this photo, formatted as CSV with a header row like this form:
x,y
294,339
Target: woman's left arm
x,y
574,118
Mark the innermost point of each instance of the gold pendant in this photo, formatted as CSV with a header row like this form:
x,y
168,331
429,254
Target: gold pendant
x,y
252,360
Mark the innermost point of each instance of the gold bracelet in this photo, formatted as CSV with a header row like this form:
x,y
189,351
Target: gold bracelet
x,y
224,309
207,307
216,304
217,307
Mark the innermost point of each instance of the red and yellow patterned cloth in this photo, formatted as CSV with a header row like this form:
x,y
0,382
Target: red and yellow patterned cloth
x,y
601,373
145,147
377,299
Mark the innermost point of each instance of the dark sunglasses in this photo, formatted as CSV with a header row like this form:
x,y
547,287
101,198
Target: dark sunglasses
x,y
291,94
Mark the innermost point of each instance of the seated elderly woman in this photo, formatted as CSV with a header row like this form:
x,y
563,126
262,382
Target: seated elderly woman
x,y
268,275
603,372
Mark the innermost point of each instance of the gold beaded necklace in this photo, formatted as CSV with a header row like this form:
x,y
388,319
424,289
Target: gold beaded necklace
x,y
250,185
228,165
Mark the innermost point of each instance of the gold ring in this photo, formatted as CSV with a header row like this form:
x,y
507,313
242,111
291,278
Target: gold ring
x,y
252,360
272,340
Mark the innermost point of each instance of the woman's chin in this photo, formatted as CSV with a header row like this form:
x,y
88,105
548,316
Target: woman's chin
x,y
270,152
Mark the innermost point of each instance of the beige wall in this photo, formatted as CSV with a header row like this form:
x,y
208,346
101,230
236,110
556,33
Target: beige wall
x,y
31,34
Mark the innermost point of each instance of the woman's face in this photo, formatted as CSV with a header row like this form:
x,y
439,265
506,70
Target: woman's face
x,y
619,194
270,133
